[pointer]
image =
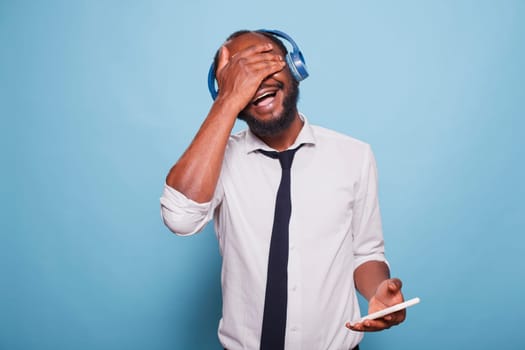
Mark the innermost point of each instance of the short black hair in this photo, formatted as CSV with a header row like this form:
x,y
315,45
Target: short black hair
x,y
238,33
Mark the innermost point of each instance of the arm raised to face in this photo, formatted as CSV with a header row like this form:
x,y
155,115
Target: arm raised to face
x,y
244,62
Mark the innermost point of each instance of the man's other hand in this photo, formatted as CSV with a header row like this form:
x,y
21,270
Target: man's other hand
x,y
388,293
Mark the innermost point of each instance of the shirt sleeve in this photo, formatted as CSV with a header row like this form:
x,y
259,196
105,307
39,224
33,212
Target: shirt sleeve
x,y
366,222
184,216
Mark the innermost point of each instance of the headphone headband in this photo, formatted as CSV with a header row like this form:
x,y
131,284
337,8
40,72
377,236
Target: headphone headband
x,y
295,61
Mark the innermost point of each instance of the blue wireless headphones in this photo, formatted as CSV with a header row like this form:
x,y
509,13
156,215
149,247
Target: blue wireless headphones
x,y
294,59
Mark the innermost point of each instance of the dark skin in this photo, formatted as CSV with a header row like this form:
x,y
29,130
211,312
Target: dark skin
x,y
249,66
372,280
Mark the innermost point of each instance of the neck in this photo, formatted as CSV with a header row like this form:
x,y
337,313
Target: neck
x,y
286,138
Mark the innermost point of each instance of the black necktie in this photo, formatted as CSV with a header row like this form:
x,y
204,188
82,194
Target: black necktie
x,y
274,319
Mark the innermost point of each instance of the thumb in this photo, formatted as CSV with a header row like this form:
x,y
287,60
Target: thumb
x,y
394,285
224,55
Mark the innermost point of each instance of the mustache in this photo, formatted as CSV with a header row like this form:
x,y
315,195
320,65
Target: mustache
x,y
276,84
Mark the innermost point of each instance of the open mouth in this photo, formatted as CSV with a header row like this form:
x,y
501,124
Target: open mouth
x,y
264,98
266,94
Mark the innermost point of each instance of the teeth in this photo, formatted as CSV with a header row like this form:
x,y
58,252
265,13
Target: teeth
x,y
262,96
257,99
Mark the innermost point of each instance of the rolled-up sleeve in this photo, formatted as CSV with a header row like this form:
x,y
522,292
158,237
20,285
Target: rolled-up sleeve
x,y
366,224
182,215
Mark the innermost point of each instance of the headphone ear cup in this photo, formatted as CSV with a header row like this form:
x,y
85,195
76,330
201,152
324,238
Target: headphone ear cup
x,y
297,65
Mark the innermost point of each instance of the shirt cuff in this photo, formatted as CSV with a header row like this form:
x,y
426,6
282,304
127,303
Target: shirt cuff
x,y
181,214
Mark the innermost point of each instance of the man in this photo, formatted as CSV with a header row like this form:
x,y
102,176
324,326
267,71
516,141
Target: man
x,y
333,237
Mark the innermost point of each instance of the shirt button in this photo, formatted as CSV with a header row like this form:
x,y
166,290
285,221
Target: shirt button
x,y
295,329
294,288
292,247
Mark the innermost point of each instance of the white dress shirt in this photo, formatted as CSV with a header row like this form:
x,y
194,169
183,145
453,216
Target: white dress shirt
x,y
335,226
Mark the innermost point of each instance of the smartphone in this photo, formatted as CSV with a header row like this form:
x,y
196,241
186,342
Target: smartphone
x,y
389,310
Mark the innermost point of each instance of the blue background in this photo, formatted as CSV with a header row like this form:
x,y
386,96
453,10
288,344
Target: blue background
x,y
99,98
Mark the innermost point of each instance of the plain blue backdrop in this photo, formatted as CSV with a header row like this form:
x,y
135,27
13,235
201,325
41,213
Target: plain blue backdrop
x,y
98,99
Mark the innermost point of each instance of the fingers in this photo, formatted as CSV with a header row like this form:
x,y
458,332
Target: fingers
x,y
371,325
239,75
257,58
253,53
254,50
261,57
378,324
368,326
262,68
224,54
388,293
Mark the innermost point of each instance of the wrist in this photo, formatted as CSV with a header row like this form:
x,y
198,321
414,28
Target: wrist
x,y
228,105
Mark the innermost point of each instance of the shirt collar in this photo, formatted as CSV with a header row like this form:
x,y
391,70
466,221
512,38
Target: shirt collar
x,y
306,136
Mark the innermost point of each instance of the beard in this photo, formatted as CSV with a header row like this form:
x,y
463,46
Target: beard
x,y
279,124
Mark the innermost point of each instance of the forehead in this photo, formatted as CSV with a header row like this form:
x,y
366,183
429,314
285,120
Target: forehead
x,y
244,41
